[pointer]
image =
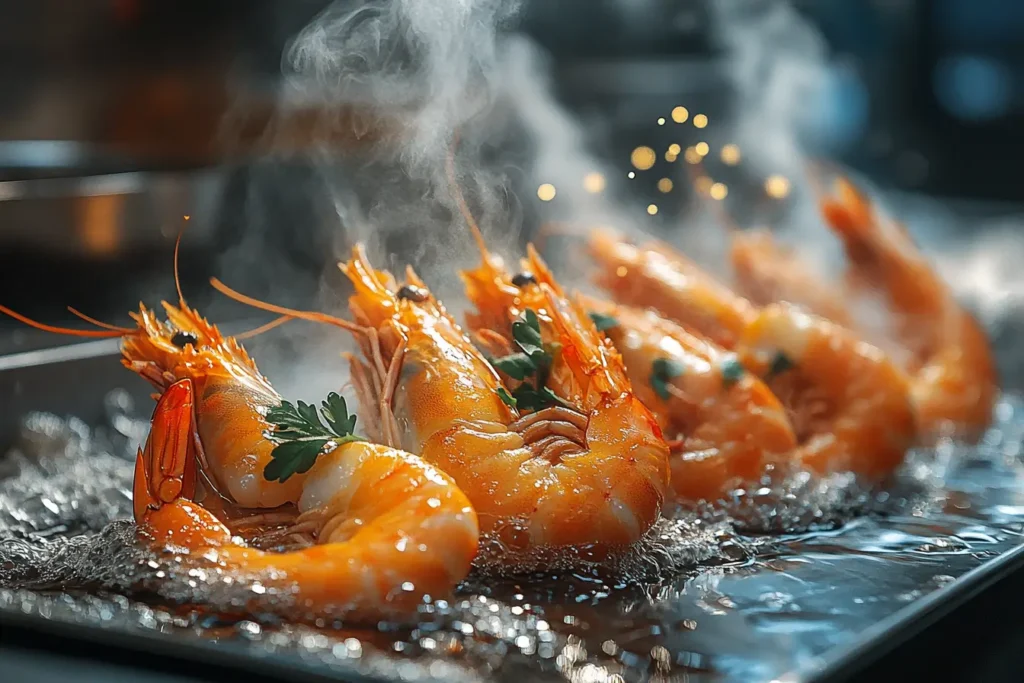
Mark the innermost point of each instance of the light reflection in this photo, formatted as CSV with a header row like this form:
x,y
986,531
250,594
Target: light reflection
x,y
776,186
594,182
730,154
642,158
702,148
700,120
718,191
652,209
692,156
661,121
680,114
665,185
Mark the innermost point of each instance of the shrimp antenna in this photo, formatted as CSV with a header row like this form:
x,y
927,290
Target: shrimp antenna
x,y
312,316
255,332
61,330
177,280
461,201
98,323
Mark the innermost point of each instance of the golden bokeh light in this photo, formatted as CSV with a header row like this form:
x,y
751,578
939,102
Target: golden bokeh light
x,y
661,121
665,185
631,175
594,182
718,191
670,157
674,149
730,154
692,156
702,148
652,209
546,192
703,184
680,114
643,158
700,120
777,186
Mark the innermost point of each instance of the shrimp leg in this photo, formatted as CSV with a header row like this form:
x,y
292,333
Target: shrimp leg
x,y
390,528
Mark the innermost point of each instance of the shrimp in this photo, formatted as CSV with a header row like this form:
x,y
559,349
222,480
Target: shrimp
x,y
954,380
849,405
587,473
378,520
730,425
389,528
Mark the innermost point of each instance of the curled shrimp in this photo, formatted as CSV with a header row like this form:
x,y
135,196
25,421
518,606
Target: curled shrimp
x,y
849,405
587,473
950,361
371,529
729,424
386,528
732,426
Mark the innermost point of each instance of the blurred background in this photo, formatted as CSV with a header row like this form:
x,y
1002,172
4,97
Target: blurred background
x,y
122,119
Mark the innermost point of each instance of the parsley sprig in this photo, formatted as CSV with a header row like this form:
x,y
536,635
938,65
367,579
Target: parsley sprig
x,y
529,365
663,371
301,436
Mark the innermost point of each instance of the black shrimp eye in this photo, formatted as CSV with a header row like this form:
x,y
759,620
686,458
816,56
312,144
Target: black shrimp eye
x,y
417,294
523,279
183,339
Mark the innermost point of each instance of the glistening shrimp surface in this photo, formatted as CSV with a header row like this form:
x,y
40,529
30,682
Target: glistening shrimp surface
x,y
756,608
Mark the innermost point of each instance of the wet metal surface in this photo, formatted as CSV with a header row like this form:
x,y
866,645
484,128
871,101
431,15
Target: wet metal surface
x,y
758,608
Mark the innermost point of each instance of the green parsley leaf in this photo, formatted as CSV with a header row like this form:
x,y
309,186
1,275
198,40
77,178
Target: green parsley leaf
x,y
301,437
603,322
505,397
663,371
732,371
518,366
780,364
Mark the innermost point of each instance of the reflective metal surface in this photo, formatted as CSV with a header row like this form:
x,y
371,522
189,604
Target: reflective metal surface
x,y
797,607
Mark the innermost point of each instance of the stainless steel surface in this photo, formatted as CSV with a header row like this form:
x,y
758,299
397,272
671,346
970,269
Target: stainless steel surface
x,y
68,199
799,607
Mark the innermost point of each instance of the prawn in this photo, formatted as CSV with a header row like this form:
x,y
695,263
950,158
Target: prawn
x,y
375,529
586,473
848,403
954,382
389,529
732,425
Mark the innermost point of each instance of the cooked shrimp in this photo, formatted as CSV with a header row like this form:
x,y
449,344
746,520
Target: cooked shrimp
x,y
953,373
767,272
849,404
389,529
588,472
728,423
386,528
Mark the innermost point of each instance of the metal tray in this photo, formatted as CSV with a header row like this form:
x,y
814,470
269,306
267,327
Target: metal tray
x,y
815,607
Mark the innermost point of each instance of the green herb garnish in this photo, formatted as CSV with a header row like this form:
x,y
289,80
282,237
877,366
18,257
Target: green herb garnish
x,y
301,436
603,322
780,364
663,371
732,371
531,362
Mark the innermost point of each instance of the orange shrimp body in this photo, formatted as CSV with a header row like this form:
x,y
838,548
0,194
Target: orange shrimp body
x,y
389,528
953,372
589,474
656,276
850,406
730,424
230,397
